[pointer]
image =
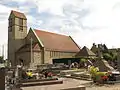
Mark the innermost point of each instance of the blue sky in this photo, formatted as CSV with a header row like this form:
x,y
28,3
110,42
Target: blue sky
x,y
87,21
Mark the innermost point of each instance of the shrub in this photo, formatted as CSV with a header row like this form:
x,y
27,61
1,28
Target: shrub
x,y
96,75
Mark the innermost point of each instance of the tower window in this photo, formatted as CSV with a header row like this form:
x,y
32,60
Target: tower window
x,y
10,29
21,28
10,22
21,22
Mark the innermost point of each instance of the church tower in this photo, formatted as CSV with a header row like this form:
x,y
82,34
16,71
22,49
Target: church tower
x,y
17,31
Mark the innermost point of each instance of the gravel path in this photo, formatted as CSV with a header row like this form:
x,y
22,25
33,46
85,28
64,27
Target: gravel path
x,y
103,87
67,82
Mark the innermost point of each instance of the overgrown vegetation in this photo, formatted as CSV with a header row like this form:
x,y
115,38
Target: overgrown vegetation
x,y
1,59
83,60
96,75
110,56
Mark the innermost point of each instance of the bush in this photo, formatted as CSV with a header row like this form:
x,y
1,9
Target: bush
x,y
99,76
107,56
93,70
96,75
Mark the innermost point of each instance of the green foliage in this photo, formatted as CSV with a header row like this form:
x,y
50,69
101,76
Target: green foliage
x,y
93,71
114,56
83,60
6,63
101,73
1,59
110,56
95,74
107,56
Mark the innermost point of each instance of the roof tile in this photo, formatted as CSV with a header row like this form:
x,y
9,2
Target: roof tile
x,y
85,52
57,42
19,14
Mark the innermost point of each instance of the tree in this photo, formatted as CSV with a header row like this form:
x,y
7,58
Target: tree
x,y
107,56
1,59
83,60
114,56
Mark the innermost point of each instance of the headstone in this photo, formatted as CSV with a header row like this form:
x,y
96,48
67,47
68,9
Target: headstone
x,y
99,53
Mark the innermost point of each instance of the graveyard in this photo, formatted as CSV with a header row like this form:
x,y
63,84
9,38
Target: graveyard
x,y
88,74
42,60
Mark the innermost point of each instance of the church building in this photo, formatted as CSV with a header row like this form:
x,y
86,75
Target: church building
x,y
37,46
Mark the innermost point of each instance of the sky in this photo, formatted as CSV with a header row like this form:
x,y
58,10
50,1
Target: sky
x,y
87,21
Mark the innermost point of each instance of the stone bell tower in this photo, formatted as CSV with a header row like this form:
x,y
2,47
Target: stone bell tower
x,y
17,31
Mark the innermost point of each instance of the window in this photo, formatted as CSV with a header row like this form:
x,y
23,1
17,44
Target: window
x,y
10,22
21,28
54,54
10,29
21,22
50,54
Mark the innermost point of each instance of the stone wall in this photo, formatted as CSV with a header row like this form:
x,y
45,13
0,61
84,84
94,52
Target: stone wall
x,y
15,37
37,59
50,55
25,56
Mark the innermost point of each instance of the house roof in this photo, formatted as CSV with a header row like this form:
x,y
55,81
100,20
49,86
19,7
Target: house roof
x,y
57,42
85,52
19,14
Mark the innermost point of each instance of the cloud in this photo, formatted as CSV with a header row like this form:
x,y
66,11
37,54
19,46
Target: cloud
x,y
69,22
4,13
55,6
87,21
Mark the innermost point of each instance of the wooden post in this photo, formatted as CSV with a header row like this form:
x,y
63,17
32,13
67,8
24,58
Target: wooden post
x,y
31,51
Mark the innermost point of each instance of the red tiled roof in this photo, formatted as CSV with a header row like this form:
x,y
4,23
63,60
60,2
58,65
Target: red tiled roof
x,y
19,14
57,42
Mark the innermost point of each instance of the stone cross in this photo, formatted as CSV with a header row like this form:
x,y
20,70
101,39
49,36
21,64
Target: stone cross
x,y
99,53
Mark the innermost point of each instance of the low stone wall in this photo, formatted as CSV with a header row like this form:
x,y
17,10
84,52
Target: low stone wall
x,y
75,88
38,80
40,83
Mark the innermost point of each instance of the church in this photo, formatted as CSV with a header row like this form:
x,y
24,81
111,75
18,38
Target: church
x,y
37,46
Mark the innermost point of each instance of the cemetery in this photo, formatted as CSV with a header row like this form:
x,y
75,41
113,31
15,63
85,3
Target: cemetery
x,y
91,70
36,64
